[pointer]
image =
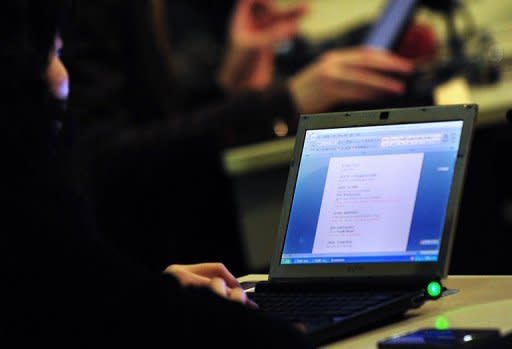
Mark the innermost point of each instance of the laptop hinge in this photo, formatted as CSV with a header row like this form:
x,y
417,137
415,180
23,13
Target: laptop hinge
x,y
348,285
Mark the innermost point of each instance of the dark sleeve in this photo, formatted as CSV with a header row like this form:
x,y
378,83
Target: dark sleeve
x,y
141,154
114,93
65,288
96,300
235,120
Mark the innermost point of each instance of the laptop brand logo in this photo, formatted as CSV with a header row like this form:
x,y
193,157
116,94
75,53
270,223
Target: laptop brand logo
x,y
354,268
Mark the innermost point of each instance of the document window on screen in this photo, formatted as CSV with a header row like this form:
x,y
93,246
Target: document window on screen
x,y
372,194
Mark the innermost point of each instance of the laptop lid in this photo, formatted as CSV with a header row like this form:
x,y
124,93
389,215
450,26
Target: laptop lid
x,y
373,194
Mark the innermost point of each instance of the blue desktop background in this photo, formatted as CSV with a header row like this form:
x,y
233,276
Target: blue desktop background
x,y
428,215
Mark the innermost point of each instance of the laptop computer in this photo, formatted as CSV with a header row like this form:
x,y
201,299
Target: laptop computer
x,y
368,216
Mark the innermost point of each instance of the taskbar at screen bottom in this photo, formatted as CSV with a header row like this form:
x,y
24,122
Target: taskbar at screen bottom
x,y
366,259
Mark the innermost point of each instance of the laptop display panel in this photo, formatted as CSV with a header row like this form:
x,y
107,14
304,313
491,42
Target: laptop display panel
x,y
373,193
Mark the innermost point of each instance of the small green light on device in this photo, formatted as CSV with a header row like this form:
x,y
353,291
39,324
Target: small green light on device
x,y
434,289
442,323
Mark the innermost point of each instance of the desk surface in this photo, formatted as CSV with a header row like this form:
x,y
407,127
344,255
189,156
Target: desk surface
x,y
482,301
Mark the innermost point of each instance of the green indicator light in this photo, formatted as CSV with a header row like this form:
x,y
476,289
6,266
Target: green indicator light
x,y
442,323
434,289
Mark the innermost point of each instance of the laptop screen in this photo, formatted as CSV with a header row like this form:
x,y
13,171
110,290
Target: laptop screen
x,y
372,194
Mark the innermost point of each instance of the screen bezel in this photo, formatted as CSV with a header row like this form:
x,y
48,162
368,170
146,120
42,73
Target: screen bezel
x,y
466,113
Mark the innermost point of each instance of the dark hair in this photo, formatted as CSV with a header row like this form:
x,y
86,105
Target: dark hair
x,y
151,50
27,34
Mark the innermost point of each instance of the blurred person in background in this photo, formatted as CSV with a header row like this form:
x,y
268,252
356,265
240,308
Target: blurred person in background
x,y
150,154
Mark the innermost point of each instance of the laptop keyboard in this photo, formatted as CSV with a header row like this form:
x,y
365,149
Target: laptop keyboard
x,y
331,307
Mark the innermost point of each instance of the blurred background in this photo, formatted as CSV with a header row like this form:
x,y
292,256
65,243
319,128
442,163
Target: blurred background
x,y
467,46
183,97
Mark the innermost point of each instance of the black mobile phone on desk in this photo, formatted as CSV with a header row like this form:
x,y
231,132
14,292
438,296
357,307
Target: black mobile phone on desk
x,y
431,338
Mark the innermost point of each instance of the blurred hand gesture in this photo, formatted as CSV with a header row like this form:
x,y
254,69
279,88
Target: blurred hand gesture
x,y
352,75
256,27
262,24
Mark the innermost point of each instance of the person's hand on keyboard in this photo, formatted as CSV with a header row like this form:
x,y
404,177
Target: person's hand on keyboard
x,y
214,276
